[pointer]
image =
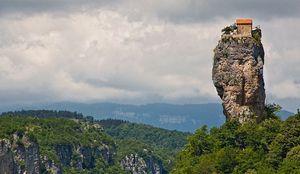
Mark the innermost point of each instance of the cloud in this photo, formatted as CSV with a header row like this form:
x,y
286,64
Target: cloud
x,y
103,55
184,11
136,51
181,11
286,89
50,6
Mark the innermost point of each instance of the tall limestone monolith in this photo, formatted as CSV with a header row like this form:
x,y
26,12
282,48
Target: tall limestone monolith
x,y
238,75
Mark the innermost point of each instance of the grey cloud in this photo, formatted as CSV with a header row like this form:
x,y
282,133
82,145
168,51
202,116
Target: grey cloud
x,y
206,10
163,56
50,6
116,60
181,11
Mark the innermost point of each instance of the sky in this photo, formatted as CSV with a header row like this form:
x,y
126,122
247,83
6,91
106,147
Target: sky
x,y
132,51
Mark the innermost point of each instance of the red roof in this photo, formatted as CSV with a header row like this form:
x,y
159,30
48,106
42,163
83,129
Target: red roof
x,y
244,21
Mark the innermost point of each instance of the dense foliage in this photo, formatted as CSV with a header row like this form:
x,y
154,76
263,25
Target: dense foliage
x,y
147,134
134,138
272,146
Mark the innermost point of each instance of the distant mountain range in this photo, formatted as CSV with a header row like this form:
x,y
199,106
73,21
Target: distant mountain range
x,y
186,117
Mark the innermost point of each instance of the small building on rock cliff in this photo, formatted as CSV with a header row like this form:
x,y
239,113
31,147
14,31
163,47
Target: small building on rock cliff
x,y
244,27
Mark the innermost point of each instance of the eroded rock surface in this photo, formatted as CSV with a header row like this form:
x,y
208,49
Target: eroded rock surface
x,y
21,155
238,77
6,158
139,165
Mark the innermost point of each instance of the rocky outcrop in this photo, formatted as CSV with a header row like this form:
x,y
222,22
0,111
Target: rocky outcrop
x,y
105,152
82,157
32,156
134,164
49,166
88,157
238,77
21,155
6,158
141,165
64,153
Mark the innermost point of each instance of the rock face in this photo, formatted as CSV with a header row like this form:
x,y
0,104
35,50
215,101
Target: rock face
x,y
21,155
139,165
82,157
6,158
238,77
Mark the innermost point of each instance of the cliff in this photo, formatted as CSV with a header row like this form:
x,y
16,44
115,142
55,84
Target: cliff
x,y
139,165
238,77
57,145
22,155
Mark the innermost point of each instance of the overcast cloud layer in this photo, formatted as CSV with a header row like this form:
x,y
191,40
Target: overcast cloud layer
x,y
133,51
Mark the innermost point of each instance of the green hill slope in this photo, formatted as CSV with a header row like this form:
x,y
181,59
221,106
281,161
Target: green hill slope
x,y
272,146
66,142
132,137
55,144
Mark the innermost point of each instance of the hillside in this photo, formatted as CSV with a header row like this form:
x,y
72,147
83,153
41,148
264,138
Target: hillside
x,y
54,145
187,118
68,142
148,134
272,146
164,142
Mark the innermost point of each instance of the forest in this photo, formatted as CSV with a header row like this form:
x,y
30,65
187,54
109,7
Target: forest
x,y
272,146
